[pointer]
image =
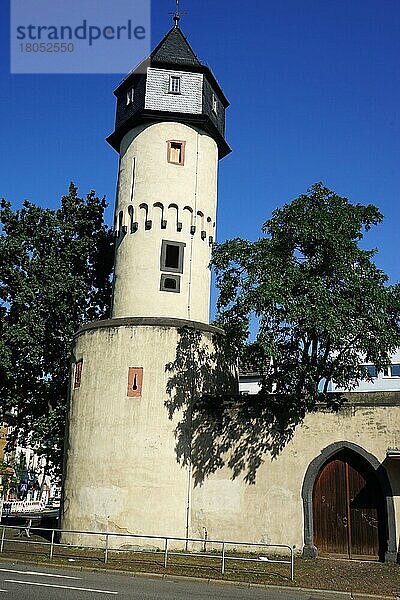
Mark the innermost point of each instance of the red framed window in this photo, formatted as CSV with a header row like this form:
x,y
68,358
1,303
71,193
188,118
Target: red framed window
x,y
176,152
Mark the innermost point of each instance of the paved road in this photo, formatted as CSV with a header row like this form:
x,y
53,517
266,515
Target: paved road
x,y
22,582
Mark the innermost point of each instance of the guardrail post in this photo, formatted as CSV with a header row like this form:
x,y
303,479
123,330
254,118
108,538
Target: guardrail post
x,y
166,553
52,544
2,538
106,550
292,563
223,558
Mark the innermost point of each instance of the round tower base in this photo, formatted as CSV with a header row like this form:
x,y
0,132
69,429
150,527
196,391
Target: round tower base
x,y
124,473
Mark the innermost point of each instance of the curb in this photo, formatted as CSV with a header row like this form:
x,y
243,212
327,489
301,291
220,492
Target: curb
x,y
283,588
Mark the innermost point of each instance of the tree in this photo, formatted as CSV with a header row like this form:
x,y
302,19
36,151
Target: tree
x,y
8,480
55,268
317,306
320,303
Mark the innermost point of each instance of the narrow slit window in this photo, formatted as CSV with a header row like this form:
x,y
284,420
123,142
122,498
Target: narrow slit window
x,y
176,152
133,178
130,95
215,103
78,374
174,84
171,259
131,217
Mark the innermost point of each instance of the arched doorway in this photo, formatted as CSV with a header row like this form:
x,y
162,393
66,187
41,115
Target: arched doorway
x,y
348,508
366,466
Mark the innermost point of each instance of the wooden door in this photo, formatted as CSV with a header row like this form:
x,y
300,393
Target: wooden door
x,y
347,508
330,509
364,508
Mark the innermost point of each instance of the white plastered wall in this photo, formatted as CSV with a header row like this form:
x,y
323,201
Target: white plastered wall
x,y
159,187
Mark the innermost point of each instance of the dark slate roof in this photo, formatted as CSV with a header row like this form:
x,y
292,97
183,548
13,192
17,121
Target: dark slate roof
x,y
174,49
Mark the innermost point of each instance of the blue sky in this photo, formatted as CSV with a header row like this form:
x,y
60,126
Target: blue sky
x,y
314,87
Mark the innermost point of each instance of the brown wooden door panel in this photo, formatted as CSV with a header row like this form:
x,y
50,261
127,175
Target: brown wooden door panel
x,y
347,508
329,505
363,503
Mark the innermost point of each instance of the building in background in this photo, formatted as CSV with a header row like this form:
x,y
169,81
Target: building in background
x,y
387,380
27,477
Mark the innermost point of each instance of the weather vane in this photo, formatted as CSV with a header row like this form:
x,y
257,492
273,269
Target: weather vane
x,y
177,14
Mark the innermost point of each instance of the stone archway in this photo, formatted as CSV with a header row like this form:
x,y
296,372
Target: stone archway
x,y
312,472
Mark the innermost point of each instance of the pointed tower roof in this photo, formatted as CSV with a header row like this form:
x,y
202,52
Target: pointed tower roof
x,y
174,49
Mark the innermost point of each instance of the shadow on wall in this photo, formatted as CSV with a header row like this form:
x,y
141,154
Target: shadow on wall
x,y
393,469
216,426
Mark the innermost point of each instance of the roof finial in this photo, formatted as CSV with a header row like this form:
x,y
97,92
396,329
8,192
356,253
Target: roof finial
x,y
177,14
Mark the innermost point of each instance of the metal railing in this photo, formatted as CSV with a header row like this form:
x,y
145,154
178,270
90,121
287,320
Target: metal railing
x,y
165,547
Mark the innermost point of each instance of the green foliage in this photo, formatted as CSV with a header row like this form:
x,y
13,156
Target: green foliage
x,y
55,268
318,305
8,479
319,301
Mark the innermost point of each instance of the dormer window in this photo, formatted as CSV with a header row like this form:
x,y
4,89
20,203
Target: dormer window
x,y
215,103
174,84
130,94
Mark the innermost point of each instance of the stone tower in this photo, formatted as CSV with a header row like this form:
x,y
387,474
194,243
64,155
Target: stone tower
x,y
169,133
121,471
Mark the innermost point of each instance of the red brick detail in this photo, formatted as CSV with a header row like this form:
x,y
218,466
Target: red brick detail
x,y
135,380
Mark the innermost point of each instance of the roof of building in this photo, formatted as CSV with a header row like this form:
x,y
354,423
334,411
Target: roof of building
x,y
174,49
